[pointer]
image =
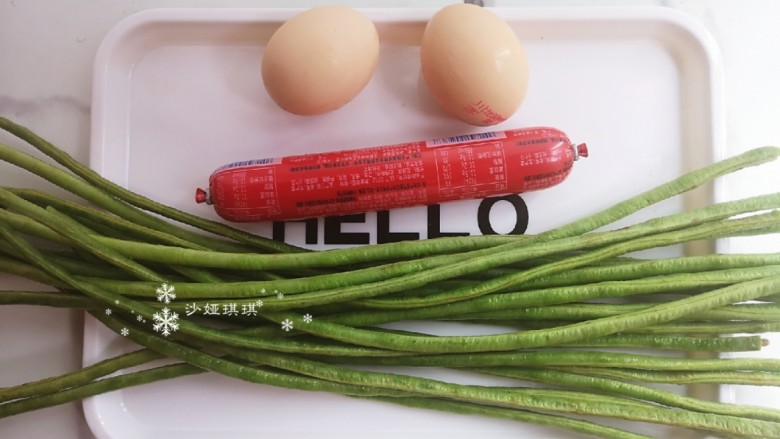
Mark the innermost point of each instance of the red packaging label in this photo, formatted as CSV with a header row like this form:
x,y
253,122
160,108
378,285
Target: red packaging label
x,y
387,177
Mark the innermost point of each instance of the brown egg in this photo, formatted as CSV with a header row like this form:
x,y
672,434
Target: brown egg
x,y
474,64
320,59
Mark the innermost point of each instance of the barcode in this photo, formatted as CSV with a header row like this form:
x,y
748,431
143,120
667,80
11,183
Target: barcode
x,y
243,163
465,138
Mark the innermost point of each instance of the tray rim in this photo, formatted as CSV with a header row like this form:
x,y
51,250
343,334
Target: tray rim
x,y
675,19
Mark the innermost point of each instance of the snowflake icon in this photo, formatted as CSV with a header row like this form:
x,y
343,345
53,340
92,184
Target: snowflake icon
x,y
165,293
166,322
108,311
259,303
124,332
287,325
116,302
139,317
279,295
307,318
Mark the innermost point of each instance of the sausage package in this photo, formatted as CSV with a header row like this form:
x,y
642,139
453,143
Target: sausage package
x,y
387,177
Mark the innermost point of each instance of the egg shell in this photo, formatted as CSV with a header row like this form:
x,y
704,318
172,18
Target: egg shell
x,y
320,59
473,64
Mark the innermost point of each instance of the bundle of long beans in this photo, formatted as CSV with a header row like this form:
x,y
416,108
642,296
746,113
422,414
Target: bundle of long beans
x,y
563,300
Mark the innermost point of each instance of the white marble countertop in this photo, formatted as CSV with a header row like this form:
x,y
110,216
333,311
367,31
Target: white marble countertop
x,y
46,55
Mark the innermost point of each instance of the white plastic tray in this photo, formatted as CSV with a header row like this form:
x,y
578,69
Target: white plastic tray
x,y
177,93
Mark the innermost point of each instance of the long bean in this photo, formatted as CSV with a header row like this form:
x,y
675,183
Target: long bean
x,y
640,268
530,398
113,222
695,329
29,226
21,269
62,229
505,302
581,359
82,377
72,231
705,231
674,342
133,198
752,327
478,246
577,381
96,196
666,190
584,311
96,388
75,265
737,377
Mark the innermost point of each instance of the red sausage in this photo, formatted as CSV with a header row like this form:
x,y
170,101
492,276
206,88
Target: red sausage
x,y
392,176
